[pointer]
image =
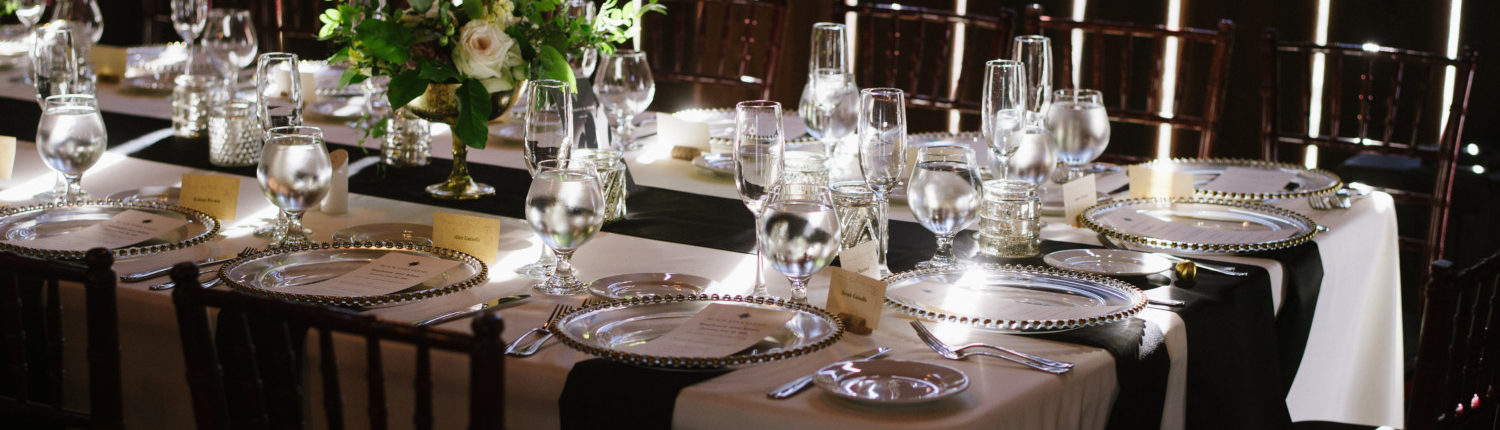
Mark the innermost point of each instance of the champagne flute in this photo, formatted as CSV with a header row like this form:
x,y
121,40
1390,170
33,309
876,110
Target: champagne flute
x,y
565,207
278,90
828,98
189,18
54,71
1080,127
1003,106
799,231
584,61
549,136
758,149
70,138
294,173
29,12
944,196
882,155
625,88
1035,52
230,33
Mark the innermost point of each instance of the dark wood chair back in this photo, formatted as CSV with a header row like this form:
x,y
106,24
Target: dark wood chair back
x,y
731,44
1456,381
912,48
1128,62
31,342
280,25
1380,101
274,387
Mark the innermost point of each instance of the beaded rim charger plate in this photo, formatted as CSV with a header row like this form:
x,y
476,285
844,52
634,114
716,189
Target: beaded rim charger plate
x,y
1305,182
20,224
278,272
1196,225
1009,298
607,329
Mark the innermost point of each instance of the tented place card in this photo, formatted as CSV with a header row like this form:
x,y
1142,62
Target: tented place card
x,y
7,156
1078,195
476,236
857,299
1250,180
125,229
1148,182
958,300
718,330
862,259
214,195
680,132
390,273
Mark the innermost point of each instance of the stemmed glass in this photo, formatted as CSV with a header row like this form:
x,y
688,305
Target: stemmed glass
x,y
1035,52
1003,106
1034,157
294,172
87,23
54,71
71,138
944,195
278,90
625,88
826,102
188,18
29,12
230,33
758,149
1080,127
586,59
799,231
565,207
882,155
549,136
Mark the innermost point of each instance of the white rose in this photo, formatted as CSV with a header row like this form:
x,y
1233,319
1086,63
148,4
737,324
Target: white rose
x,y
486,53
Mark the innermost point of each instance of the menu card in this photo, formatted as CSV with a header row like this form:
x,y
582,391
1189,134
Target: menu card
x,y
7,156
124,229
1250,180
392,272
1208,229
719,330
214,195
959,300
1078,195
476,236
1149,182
856,298
863,259
681,132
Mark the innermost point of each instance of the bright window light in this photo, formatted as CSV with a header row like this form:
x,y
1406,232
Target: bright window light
x,y
960,7
1472,149
1315,105
1454,9
1169,81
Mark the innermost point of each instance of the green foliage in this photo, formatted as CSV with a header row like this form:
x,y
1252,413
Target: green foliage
x,y
473,112
405,87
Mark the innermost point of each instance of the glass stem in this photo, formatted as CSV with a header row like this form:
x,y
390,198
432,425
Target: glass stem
x,y
546,259
882,232
799,288
562,274
74,190
760,280
293,231
944,254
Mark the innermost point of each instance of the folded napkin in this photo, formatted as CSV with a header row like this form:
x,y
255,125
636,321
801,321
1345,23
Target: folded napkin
x,y
604,394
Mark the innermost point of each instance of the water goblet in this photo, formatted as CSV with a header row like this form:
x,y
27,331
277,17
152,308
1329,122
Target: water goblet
x,y
758,148
1080,127
230,34
882,155
625,88
799,232
70,138
548,136
1035,52
944,196
188,18
294,174
565,207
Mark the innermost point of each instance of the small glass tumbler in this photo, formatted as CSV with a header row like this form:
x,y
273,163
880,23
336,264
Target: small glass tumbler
x,y
408,142
234,135
1010,223
191,100
854,204
610,163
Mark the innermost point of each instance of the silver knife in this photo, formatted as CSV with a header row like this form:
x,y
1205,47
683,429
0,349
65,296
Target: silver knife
x,y
471,310
796,386
155,273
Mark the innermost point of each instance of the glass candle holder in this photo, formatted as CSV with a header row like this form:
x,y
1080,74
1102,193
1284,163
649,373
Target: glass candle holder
x,y
192,99
408,142
854,204
234,135
610,163
1010,220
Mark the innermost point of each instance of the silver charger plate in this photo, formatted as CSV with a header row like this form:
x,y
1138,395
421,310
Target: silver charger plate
x,y
420,234
1009,298
278,272
650,284
602,329
719,164
891,382
1112,262
158,194
1202,226
54,219
1305,182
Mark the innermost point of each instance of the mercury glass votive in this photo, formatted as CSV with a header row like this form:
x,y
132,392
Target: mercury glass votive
x,y
1010,223
408,142
234,136
192,99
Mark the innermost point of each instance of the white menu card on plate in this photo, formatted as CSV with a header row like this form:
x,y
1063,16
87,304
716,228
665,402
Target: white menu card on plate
x,y
717,331
124,229
392,272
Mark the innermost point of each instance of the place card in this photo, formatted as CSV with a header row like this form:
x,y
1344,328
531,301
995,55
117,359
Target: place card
x,y
1078,195
1148,182
719,330
309,82
680,132
392,272
962,301
863,259
7,156
124,229
337,200
476,236
109,61
1250,180
214,195
857,299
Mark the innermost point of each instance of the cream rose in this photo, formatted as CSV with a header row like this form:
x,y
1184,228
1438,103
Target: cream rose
x,y
486,53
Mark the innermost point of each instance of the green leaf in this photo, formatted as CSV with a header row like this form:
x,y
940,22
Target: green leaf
x,y
555,66
404,87
385,40
473,8
341,56
420,6
351,76
436,72
473,113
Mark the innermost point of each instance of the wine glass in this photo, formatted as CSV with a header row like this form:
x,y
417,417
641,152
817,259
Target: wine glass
x,y
944,196
1080,127
84,17
584,61
1034,157
189,18
625,88
565,207
758,149
1035,52
828,99
1003,106
71,138
548,136
278,90
799,231
882,155
230,33
294,173
29,12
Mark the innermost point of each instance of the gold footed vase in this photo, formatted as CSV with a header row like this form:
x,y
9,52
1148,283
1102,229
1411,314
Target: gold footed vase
x,y
440,104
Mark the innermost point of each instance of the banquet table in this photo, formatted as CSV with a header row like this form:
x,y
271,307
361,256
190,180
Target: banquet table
x,y
1350,370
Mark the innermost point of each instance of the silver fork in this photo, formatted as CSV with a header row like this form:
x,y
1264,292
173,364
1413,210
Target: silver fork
x,y
516,349
1318,202
1034,362
206,284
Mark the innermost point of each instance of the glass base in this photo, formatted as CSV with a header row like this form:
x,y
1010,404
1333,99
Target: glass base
x,y
537,270
555,287
936,264
460,189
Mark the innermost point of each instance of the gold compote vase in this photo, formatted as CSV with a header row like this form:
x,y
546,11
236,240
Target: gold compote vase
x,y
440,104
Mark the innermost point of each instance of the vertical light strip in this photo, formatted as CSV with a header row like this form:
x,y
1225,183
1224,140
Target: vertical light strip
x,y
851,21
1169,81
635,42
1079,6
1315,103
1449,74
960,7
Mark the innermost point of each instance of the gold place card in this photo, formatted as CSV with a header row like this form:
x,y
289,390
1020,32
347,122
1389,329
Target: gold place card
x,y
109,62
476,236
214,195
1148,182
857,299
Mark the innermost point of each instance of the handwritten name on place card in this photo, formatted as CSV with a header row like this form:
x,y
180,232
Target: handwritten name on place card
x,y
476,236
124,229
717,331
392,272
859,298
215,195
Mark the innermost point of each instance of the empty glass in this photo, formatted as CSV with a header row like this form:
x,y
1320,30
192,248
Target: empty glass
x,y
29,12
855,204
230,34
278,90
584,61
1080,129
625,88
549,136
1003,106
188,18
828,100
944,196
1035,52
54,61
294,174
799,232
758,148
70,138
565,207
882,155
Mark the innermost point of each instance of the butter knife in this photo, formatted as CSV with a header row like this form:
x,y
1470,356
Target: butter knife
x,y
158,272
471,310
796,386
